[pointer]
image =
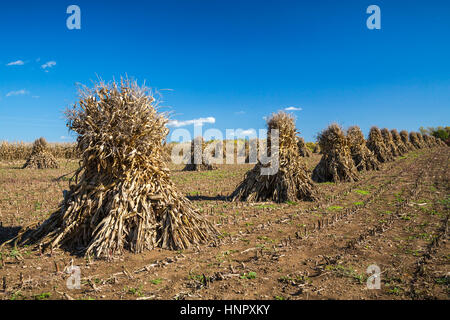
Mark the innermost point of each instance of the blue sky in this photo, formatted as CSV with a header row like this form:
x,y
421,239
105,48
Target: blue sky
x,y
234,61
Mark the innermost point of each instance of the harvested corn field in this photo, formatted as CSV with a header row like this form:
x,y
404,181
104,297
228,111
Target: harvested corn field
x,y
396,217
248,154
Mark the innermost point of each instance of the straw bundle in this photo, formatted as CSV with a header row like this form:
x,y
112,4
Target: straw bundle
x,y
429,141
40,157
317,149
215,149
363,158
243,151
239,150
375,143
212,149
167,151
389,142
405,140
401,147
434,141
122,196
414,138
291,182
440,142
303,150
422,141
336,163
199,161
253,147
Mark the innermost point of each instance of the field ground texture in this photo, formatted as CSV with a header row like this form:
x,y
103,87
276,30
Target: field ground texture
x,y
396,218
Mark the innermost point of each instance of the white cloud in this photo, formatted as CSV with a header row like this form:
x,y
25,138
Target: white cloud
x,y
240,112
199,122
292,109
49,64
17,93
35,97
249,132
16,63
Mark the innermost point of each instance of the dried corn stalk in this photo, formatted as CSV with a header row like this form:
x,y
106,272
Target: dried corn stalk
x,y
291,182
401,147
252,150
317,148
123,197
363,158
199,161
375,143
40,157
422,141
429,141
336,163
440,142
303,150
415,140
387,137
405,140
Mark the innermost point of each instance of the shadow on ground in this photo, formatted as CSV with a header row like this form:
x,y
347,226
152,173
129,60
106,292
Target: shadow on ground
x,y
8,233
208,198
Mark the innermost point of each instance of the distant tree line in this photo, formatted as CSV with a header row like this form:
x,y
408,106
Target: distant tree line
x,y
440,132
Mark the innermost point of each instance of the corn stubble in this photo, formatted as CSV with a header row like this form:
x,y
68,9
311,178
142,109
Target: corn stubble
x,y
291,182
336,163
363,158
40,157
122,196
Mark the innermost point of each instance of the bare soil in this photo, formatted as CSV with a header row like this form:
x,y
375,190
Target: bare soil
x,y
395,218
